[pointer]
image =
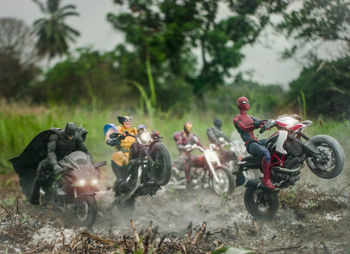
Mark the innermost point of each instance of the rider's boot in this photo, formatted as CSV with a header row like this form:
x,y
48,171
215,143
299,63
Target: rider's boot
x,y
121,174
34,199
267,174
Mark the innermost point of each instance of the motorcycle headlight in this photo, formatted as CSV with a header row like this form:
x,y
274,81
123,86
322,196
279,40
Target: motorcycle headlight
x,y
145,137
94,181
81,182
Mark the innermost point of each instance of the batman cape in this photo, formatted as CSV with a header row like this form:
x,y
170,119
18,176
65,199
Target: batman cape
x,y
26,164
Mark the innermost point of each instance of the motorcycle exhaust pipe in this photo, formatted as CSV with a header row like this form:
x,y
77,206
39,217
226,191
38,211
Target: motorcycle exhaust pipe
x,y
286,170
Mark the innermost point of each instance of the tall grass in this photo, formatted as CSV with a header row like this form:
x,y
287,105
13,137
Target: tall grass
x,y
19,123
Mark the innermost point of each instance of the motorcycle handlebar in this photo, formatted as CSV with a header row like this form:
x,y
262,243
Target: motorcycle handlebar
x,y
268,125
262,130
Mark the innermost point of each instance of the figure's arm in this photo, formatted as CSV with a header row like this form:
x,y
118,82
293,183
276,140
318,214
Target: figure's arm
x,y
226,138
178,141
242,126
212,137
51,150
257,122
81,146
198,142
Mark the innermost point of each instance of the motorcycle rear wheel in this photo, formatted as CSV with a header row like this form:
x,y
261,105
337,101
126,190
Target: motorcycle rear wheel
x,y
331,161
262,204
85,211
161,169
226,184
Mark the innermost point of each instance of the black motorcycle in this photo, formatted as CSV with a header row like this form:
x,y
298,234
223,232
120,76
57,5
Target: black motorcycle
x,y
149,168
289,148
73,191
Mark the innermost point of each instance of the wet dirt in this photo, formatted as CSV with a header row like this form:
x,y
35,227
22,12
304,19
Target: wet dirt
x,y
311,219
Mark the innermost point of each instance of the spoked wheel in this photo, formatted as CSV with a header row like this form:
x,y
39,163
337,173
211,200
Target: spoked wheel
x,y
225,183
330,162
85,211
161,167
262,204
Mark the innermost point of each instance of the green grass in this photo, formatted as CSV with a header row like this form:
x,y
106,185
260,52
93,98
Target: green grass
x,y
19,123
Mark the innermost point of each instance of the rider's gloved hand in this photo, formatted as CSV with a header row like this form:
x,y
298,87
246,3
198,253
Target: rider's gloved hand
x,y
113,141
257,123
57,169
188,148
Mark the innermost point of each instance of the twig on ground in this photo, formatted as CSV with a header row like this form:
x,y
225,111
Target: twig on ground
x,y
137,237
200,233
99,239
189,232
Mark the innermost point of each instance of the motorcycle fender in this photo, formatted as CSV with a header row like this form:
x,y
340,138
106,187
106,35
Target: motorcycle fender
x,y
253,183
310,148
84,192
282,137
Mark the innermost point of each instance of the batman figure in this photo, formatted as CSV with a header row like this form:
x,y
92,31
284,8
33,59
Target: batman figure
x,y
38,163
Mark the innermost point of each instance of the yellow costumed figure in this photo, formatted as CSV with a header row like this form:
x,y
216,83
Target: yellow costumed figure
x,y
120,158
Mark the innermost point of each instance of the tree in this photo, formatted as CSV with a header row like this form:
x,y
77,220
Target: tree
x,y
325,86
52,32
316,22
17,57
16,40
167,31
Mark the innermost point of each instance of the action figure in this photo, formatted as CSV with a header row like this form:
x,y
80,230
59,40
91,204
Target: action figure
x,y
38,165
215,132
245,125
184,141
120,158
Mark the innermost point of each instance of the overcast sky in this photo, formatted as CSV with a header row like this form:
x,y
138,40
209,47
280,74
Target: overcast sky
x,y
262,59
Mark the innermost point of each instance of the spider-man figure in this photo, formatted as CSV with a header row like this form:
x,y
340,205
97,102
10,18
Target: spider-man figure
x,y
245,125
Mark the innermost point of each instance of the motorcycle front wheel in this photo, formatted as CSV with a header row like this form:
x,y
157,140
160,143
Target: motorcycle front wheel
x,y
330,162
161,168
262,204
225,183
85,211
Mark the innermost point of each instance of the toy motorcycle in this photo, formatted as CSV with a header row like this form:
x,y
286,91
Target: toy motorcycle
x,y
73,191
210,173
150,169
289,148
235,152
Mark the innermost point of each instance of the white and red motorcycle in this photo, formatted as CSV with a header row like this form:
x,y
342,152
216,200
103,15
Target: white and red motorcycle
x,y
289,148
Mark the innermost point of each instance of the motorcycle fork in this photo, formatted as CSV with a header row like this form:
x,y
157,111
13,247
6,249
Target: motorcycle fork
x,y
211,169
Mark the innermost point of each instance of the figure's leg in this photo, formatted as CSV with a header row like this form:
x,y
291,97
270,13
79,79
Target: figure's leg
x,y
186,165
258,150
266,165
119,162
39,180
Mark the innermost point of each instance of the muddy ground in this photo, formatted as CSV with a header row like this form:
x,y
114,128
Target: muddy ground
x,y
314,217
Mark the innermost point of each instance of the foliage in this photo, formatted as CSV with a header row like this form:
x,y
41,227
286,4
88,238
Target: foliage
x,y
52,32
264,100
166,31
317,21
21,122
326,88
87,77
17,58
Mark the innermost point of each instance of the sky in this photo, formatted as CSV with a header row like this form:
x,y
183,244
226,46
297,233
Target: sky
x,y
262,60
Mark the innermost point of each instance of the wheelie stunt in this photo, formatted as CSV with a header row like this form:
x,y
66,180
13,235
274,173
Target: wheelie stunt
x,y
56,164
141,162
289,148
